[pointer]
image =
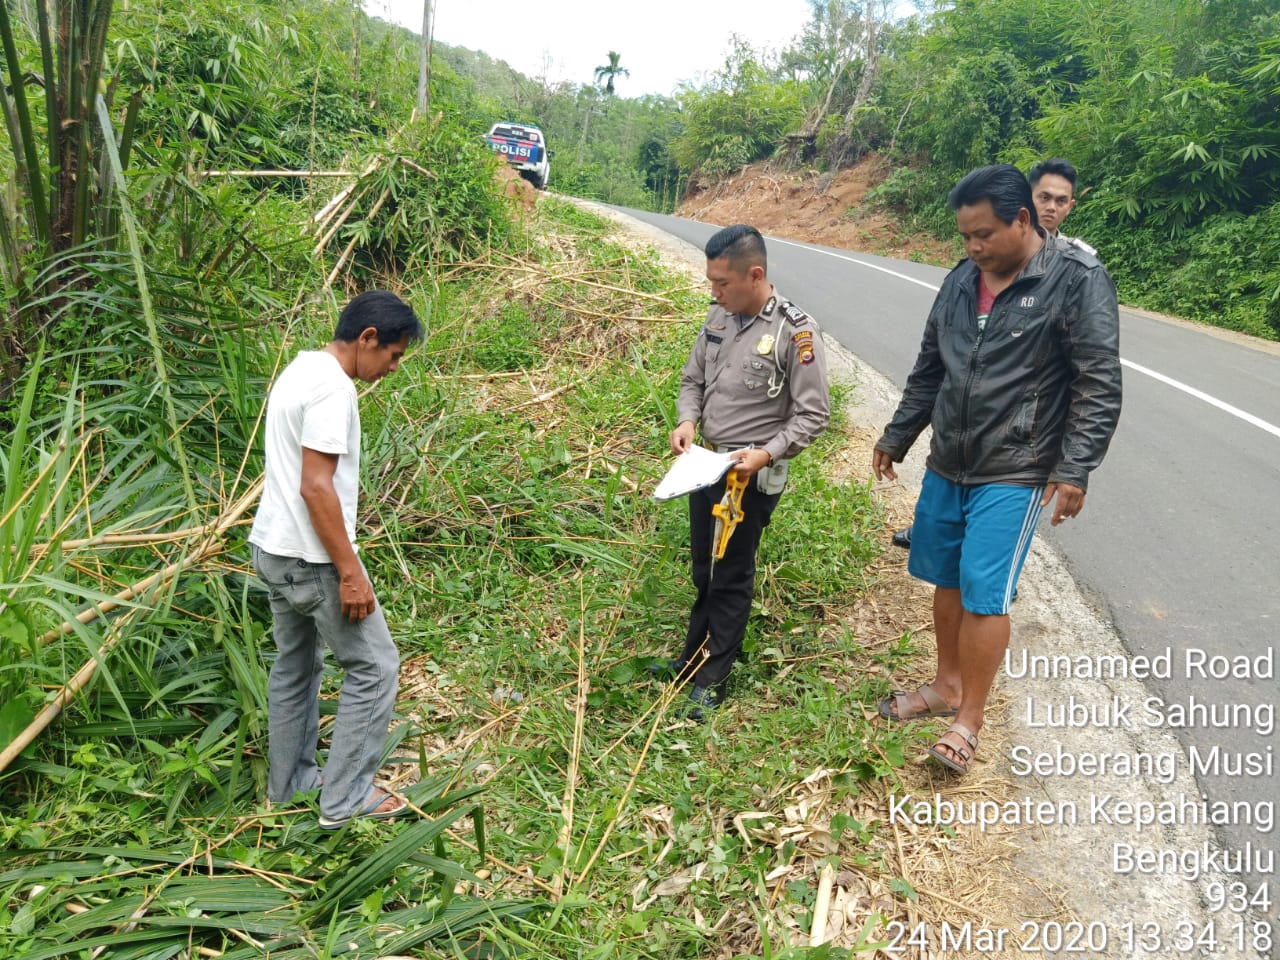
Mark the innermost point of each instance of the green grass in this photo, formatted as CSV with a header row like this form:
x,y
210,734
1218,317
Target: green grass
x,y
529,577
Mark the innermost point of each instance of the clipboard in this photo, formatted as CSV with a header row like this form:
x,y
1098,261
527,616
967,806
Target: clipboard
x,y
694,469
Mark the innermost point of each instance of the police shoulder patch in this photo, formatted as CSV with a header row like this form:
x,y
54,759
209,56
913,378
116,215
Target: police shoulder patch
x,y
1077,242
794,313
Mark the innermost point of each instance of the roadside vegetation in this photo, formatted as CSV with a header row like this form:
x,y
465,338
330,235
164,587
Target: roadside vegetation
x,y
530,580
184,245
192,191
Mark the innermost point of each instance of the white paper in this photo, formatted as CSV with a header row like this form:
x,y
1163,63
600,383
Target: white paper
x,y
694,469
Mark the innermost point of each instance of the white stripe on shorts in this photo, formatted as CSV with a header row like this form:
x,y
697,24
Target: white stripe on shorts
x,y
1029,521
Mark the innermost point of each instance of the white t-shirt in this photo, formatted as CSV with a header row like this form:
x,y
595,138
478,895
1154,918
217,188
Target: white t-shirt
x,y
313,405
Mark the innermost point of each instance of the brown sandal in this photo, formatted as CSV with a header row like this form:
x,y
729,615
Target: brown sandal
x,y
934,705
963,754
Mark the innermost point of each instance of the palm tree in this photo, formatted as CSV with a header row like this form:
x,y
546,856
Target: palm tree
x,y
610,71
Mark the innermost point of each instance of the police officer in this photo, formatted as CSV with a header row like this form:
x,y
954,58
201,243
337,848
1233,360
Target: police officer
x,y
756,383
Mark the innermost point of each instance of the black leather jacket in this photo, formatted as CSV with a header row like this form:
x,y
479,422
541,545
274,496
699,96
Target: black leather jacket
x,y
1032,398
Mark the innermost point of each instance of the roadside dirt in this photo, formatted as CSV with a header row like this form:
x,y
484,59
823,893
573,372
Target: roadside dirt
x,y
825,208
517,188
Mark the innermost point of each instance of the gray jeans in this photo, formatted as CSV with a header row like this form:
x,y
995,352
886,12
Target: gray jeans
x,y
308,617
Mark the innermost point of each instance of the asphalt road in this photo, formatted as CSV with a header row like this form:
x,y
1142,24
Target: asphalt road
x,y
1178,541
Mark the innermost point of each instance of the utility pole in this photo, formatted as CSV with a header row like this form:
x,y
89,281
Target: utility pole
x,y
424,62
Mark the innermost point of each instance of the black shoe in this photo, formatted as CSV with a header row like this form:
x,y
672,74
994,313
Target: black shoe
x,y
703,701
665,669
903,539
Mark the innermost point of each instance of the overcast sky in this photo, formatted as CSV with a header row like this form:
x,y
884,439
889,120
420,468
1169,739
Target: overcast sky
x,y
661,41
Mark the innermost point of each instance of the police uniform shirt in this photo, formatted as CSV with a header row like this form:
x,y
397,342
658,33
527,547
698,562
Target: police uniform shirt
x,y
758,381
1075,242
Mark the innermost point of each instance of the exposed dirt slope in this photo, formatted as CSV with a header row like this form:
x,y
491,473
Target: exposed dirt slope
x,y
826,208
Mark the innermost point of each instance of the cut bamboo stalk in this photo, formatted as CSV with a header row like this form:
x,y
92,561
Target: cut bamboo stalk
x,y
342,260
209,546
544,397
64,696
340,198
115,540
579,279
622,478
664,701
822,906
325,212
413,166
575,754
22,497
278,173
336,225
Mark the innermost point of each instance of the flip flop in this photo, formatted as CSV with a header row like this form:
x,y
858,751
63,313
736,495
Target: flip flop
x,y
934,705
963,754
370,811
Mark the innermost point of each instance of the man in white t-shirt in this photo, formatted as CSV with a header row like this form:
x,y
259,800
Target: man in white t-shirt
x,y
303,543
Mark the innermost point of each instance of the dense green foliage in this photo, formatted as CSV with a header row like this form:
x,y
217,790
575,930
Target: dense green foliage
x,y
1169,108
738,118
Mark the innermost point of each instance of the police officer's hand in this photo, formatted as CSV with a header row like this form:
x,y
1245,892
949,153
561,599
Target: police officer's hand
x,y
882,466
682,437
356,594
751,462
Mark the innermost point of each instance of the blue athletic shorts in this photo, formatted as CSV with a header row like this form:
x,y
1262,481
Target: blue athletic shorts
x,y
973,538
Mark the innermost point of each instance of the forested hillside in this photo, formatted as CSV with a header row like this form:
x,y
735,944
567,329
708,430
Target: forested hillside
x,y
1170,109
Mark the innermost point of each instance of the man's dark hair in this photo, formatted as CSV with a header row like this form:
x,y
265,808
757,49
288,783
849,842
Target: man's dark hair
x,y
1054,165
385,312
741,245
1002,184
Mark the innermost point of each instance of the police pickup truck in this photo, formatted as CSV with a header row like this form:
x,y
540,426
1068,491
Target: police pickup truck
x,y
524,148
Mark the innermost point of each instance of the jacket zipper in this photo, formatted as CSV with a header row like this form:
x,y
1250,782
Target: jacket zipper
x,y
968,383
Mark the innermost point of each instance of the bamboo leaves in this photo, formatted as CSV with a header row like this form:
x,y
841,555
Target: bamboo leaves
x,y
119,898
144,295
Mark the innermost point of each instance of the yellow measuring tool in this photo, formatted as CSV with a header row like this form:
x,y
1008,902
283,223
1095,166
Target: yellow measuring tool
x,y
728,512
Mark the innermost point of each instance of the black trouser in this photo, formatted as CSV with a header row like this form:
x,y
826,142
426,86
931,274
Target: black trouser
x,y
718,621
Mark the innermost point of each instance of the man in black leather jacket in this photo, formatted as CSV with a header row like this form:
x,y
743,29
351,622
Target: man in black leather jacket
x,y
1019,376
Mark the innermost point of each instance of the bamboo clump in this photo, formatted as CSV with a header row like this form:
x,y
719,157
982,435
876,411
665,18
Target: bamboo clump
x,y
210,543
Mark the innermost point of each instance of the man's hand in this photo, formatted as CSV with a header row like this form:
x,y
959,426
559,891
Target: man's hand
x,y
1070,501
682,437
882,466
750,462
356,594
